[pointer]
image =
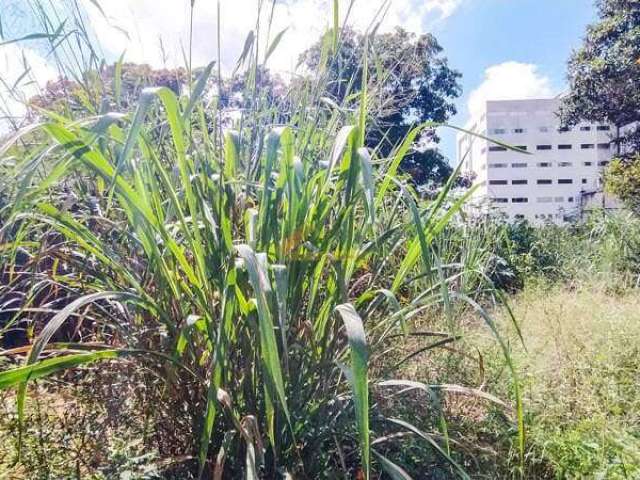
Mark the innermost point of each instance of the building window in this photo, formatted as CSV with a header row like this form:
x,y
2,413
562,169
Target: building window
x,y
544,164
497,165
565,181
585,128
584,180
544,199
587,146
500,200
587,164
519,182
543,129
497,148
499,131
570,199
518,165
543,147
518,216
544,181
603,163
565,164
563,129
559,199
520,200
603,146
522,147
497,182
565,146
604,128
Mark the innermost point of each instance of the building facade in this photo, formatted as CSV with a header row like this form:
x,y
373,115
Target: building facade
x,y
547,179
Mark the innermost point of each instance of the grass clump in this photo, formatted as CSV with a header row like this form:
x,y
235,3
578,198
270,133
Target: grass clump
x,y
243,272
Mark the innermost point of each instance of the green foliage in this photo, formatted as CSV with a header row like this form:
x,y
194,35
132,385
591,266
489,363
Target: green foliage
x,y
410,83
241,260
622,178
604,73
605,246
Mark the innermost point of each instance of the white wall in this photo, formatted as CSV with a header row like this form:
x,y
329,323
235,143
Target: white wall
x,y
533,124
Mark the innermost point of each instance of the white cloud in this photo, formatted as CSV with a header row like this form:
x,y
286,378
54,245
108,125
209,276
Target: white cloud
x,y
17,87
156,32
509,81
149,21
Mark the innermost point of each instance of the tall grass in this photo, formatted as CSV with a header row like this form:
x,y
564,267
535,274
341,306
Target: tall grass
x,y
253,266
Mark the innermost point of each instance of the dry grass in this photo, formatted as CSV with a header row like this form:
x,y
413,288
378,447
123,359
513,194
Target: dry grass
x,y
581,376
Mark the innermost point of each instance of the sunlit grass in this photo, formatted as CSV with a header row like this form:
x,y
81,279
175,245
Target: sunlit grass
x,y
254,267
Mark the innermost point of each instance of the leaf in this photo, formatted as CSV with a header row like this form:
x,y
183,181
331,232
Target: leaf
x,y
248,43
198,90
268,346
43,368
117,79
274,43
367,182
96,4
56,322
474,392
281,276
231,148
400,153
394,471
339,146
358,378
32,36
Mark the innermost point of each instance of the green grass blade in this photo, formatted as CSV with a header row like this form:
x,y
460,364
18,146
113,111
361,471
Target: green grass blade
x,y
268,346
394,471
43,368
359,378
274,43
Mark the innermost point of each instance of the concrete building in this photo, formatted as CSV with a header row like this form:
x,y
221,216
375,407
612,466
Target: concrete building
x,y
547,182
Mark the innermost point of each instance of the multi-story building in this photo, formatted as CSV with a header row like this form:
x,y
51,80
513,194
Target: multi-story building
x,y
549,181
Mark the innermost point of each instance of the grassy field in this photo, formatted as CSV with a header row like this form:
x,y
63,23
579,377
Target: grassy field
x,y
581,378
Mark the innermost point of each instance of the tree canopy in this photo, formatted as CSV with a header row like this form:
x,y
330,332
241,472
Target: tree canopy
x,y
604,81
410,81
604,73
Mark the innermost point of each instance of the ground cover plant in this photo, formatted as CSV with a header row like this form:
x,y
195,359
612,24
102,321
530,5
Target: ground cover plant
x,y
580,376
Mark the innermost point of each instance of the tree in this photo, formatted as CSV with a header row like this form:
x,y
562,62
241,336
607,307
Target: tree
x,y
604,73
623,180
88,94
410,82
604,81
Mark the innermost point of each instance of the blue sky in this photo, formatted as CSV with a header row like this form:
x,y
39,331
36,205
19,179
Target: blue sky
x,y
503,48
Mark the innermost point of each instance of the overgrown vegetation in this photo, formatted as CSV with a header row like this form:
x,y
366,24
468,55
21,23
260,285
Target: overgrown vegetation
x,y
580,380
244,271
230,277
603,248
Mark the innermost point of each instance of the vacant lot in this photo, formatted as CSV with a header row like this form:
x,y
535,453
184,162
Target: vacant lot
x,y
581,376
